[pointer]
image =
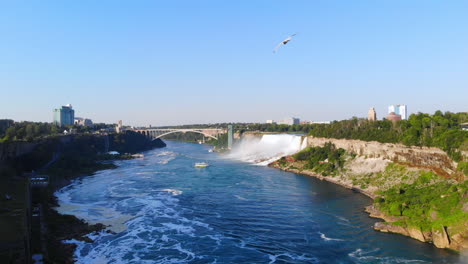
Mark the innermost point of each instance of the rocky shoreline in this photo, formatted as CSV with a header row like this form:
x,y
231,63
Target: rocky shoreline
x,y
324,178
61,227
440,237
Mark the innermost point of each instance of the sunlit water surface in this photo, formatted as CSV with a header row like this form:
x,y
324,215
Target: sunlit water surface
x,y
164,210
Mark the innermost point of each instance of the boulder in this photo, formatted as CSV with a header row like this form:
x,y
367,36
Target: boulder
x,y
416,233
387,227
440,238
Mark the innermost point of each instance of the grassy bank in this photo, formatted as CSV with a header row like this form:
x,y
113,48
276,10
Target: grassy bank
x,y
409,198
427,203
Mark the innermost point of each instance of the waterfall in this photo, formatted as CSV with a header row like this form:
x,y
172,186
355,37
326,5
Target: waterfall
x,y
266,149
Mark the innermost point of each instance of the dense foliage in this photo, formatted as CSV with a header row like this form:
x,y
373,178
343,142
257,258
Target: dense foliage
x,y
427,203
260,127
220,143
305,128
4,125
326,160
28,131
440,130
132,142
187,137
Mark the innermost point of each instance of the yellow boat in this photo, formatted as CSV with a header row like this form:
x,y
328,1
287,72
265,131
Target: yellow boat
x,y
201,165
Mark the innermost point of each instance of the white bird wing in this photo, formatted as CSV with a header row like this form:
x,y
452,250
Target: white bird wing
x,y
278,46
284,42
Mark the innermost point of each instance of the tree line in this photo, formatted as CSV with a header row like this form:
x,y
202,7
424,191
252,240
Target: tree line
x,y
30,131
440,130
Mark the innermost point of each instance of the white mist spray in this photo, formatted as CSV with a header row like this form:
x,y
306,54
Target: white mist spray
x,y
266,149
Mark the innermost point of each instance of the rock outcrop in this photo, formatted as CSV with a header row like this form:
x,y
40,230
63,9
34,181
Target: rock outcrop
x,y
440,238
372,159
434,159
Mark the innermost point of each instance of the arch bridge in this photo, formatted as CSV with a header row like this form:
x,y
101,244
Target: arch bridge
x,y
155,133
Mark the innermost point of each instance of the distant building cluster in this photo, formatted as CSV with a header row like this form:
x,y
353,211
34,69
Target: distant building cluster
x,y
295,121
397,110
79,121
64,116
314,122
286,121
289,121
395,113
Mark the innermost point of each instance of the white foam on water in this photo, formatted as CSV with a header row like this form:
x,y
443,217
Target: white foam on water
x,y
173,191
322,235
302,258
143,232
178,227
217,238
267,149
165,157
362,256
110,217
240,197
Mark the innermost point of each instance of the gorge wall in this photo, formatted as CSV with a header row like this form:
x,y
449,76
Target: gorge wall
x,y
434,159
372,168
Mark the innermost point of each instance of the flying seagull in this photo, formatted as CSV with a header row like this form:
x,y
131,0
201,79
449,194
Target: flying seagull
x,y
284,42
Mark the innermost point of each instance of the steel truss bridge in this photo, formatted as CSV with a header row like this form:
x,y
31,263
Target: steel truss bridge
x,y
155,133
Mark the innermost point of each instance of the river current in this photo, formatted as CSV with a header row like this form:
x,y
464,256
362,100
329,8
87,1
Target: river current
x,y
162,209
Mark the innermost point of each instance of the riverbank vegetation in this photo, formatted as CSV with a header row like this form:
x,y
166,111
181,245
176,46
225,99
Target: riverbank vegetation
x,y
326,160
11,131
428,203
407,198
442,130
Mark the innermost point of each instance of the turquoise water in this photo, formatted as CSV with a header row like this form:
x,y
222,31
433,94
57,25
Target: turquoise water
x,y
163,210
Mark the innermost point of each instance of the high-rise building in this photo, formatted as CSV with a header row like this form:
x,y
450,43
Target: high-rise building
x,y
64,116
270,122
372,115
290,121
399,110
119,126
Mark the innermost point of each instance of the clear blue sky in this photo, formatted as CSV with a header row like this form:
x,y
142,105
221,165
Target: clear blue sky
x,y
179,62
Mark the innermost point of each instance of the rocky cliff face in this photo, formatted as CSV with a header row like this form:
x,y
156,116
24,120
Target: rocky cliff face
x,y
15,149
372,171
12,150
434,159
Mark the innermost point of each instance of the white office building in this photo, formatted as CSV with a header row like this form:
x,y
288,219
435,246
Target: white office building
x,y
399,110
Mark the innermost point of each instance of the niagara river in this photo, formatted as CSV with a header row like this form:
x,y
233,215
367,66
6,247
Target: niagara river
x,y
162,209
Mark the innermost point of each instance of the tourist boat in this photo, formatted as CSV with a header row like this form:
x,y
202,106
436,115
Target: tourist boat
x,y
201,164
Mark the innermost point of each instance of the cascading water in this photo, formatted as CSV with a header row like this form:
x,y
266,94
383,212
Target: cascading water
x,y
266,149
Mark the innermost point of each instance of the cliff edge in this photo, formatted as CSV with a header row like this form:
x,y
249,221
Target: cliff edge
x,y
417,191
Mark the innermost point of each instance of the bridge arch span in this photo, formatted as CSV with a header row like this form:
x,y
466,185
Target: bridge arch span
x,y
185,131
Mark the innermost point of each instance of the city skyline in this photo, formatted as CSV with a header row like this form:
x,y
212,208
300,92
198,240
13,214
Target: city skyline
x,y
185,63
